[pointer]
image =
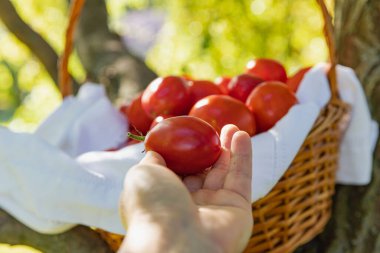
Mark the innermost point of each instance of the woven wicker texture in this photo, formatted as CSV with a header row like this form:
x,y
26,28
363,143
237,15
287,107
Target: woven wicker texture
x,y
299,206
113,240
65,86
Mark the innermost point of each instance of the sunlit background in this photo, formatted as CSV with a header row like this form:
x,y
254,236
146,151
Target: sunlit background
x,y
204,39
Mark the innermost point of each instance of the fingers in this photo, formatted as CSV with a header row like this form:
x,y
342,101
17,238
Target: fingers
x,y
194,183
152,157
215,178
239,176
226,135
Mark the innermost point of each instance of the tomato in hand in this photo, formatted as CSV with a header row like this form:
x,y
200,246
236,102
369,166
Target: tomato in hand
x,y
188,145
166,96
220,110
136,116
295,80
199,89
267,69
241,86
269,102
222,82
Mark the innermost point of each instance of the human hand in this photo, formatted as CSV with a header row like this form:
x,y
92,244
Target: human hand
x,y
212,215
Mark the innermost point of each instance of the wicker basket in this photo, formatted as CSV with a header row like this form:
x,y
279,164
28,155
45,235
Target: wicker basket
x,y
299,206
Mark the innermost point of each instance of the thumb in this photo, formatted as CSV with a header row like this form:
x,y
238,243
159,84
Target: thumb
x,y
154,191
152,157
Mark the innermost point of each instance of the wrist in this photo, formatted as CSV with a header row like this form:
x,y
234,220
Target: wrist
x,y
149,235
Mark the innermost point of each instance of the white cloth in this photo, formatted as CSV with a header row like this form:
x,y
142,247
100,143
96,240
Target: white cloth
x,y
84,123
355,164
50,191
274,150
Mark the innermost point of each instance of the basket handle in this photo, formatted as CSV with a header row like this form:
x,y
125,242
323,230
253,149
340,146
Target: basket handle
x,y
65,82
328,31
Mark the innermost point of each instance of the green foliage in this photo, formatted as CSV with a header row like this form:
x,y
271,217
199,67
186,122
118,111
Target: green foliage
x,y
27,93
217,37
202,38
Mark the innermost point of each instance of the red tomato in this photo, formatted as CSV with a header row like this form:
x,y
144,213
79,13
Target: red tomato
x,y
223,82
159,119
136,116
111,149
188,145
220,110
123,109
267,69
202,88
269,102
166,96
295,80
187,77
241,86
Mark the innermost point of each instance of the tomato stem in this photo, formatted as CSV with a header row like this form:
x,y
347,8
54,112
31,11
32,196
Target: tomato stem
x,y
136,137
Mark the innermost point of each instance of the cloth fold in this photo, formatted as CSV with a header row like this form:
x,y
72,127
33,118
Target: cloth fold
x,y
49,191
84,123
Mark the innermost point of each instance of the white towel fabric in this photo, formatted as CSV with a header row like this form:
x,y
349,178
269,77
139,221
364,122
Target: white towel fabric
x,y
84,123
43,185
355,164
49,191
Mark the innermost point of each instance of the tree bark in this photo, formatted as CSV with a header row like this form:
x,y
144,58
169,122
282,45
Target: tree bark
x,y
105,57
34,41
79,239
355,225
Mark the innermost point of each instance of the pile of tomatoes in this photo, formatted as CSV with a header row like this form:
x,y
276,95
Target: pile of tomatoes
x,y
253,101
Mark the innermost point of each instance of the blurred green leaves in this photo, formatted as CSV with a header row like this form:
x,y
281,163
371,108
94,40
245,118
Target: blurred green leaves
x,y
201,38
10,94
210,38
30,95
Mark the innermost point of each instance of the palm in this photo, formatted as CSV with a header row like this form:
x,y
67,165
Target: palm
x,y
226,224
223,196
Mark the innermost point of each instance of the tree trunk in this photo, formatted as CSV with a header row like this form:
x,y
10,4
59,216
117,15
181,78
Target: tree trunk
x,y
38,46
32,39
355,225
79,239
105,57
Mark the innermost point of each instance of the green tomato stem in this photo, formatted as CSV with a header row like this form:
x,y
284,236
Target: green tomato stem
x,y
136,137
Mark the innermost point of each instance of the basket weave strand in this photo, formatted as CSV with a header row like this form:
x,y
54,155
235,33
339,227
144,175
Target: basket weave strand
x,y
328,30
299,206
64,77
